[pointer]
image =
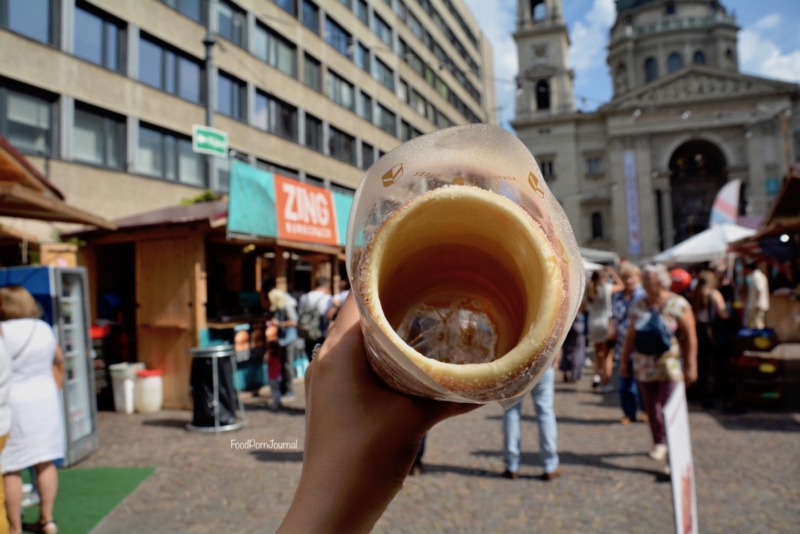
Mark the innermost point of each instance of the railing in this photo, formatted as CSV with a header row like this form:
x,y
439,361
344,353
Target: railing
x,y
677,24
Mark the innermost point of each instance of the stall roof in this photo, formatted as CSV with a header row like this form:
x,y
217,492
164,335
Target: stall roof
x,y
25,193
10,234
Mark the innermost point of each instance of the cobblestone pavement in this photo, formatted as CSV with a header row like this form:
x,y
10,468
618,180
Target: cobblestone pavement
x,y
747,472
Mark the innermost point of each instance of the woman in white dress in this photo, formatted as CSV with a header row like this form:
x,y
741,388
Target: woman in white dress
x,y
597,302
37,435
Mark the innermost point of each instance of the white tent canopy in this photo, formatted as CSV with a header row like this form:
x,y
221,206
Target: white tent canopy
x,y
708,245
591,266
599,256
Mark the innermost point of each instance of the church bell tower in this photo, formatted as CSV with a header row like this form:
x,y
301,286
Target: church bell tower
x,y
545,81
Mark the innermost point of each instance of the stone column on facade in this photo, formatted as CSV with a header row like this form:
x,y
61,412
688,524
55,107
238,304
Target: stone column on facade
x,y
631,66
616,168
359,153
132,52
66,111
67,26
663,184
301,126
250,103
756,179
648,225
132,142
325,136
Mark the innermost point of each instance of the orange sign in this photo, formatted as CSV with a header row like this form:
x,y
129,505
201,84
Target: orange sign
x,y
305,212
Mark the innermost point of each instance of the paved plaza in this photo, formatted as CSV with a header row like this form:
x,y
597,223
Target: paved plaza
x,y
748,468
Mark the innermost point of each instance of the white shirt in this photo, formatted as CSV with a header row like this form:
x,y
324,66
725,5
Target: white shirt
x,y
5,387
758,292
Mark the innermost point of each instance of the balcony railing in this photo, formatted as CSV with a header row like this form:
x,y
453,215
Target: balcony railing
x,y
687,23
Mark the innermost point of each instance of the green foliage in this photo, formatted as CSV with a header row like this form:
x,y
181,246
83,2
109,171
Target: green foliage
x,y
206,196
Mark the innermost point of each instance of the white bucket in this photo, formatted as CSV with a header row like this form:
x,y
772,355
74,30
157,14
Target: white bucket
x,y
148,391
122,377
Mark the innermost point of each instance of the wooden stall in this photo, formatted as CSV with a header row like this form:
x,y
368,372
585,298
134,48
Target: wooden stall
x,y
182,255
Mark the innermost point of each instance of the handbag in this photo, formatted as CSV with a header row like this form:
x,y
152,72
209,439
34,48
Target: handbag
x,y
653,336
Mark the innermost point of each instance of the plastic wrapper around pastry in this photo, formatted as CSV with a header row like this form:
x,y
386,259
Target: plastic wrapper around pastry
x,y
464,267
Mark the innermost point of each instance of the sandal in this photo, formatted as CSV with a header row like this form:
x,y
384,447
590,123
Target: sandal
x,y
46,527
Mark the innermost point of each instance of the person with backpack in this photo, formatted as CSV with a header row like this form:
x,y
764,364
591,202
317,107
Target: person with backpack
x,y
312,324
661,332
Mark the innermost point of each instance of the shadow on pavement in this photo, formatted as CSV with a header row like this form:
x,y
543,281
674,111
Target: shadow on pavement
x,y
763,421
169,423
273,456
593,460
286,410
563,420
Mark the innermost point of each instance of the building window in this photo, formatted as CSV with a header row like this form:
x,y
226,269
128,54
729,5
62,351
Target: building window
x,y
312,73
276,50
597,225
386,120
313,180
650,69
231,96
224,168
313,132
547,168
337,37
402,91
418,102
384,74
98,38
674,62
170,157
290,6
362,57
340,90
542,95
232,22
275,116
99,137
342,146
26,119
362,11
191,8
347,3
169,71
285,120
405,131
311,16
278,169
365,106
367,155
699,57
442,121
381,29
670,8
31,18
594,166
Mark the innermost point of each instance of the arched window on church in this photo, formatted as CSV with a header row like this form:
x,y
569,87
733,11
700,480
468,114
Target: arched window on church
x,y
674,62
538,10
650,69
542,95
597,225
699,58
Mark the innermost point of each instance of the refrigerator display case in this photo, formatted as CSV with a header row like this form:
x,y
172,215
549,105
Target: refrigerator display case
x,y
63,294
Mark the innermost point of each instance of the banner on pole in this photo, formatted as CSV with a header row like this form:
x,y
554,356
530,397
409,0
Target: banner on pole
x,y
632,203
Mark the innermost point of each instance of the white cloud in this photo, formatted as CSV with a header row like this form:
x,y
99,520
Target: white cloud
x,y
768,22
761,56
590,35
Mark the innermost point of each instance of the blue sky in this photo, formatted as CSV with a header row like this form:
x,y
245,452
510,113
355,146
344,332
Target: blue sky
x,y
769,44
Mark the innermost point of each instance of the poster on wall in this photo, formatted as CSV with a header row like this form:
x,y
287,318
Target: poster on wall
x,y
632,203
684,498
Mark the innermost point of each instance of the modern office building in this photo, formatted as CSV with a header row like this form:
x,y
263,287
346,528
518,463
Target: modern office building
x,y
640,174
102,95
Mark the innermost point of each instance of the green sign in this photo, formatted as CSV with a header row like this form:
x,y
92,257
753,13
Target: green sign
x,y
208,140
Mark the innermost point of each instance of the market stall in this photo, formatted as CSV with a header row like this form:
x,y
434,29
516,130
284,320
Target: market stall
x,y
189,276
768,371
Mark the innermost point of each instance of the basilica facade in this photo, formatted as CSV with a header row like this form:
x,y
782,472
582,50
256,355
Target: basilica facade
x,y
640,174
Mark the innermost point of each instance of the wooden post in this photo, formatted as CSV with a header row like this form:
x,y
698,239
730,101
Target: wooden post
x,y
279,268
335,279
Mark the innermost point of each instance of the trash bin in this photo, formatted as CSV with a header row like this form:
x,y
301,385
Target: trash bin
x,y
122,377
214,396
148,392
